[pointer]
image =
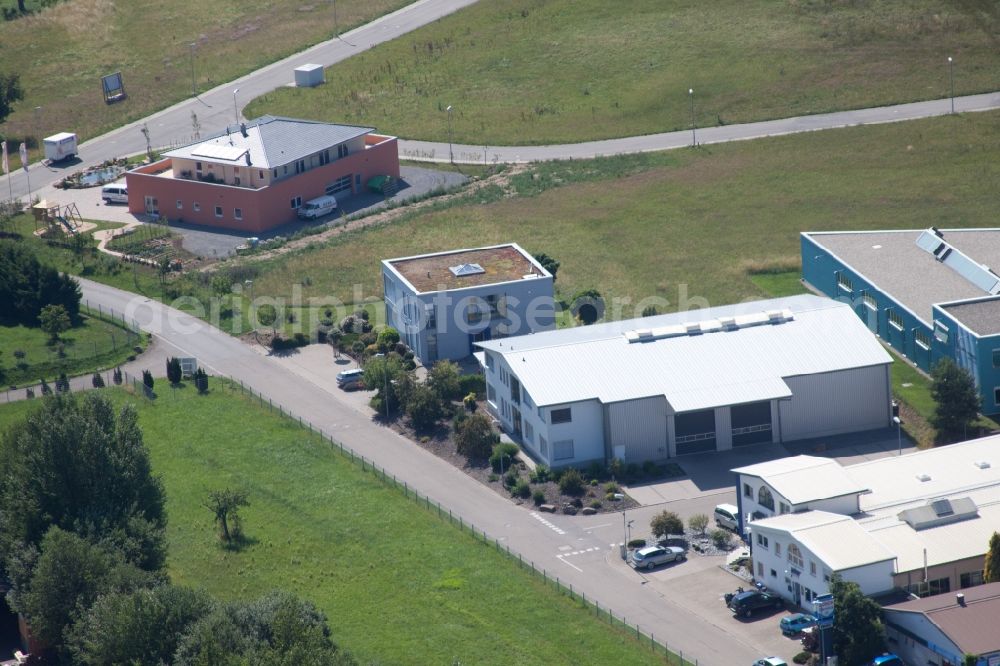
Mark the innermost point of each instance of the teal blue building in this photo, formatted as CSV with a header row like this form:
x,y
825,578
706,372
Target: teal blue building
x,y
926,293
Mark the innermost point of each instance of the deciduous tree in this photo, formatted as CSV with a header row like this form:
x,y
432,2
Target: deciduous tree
x,y
226,504
444,378
54,320
474,437
991,568
858,634
423,407
666,523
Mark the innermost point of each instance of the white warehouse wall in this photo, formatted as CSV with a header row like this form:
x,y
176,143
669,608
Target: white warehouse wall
x,y
836,402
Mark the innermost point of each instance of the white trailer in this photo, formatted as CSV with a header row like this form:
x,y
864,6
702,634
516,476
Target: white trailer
x,y
59,147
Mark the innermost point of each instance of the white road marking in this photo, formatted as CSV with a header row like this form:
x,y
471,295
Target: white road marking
x,y
594,527
560,558
549,525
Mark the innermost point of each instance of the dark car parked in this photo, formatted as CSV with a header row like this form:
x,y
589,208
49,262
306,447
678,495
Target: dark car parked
x,y
747,603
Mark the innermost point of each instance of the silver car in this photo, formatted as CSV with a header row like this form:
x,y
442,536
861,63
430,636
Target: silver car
x,y
654,556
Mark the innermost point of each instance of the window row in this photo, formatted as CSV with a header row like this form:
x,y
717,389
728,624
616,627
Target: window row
x,y
219,212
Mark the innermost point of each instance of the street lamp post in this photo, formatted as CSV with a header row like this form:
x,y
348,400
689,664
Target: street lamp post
x,y
694,138
451,152
951,77
236,109
194,89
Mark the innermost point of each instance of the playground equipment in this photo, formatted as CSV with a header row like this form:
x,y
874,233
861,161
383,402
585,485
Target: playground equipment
x,y
50,215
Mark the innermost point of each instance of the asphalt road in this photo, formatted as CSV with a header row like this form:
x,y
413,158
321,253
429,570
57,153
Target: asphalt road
x,y
581,550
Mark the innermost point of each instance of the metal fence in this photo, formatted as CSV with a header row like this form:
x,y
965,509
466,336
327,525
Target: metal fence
x,y
675,658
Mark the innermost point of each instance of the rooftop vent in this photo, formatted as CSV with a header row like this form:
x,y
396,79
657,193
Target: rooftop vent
x,y
982,464
728,323
960,598
466,269
923,477
942,507
692,327
932,242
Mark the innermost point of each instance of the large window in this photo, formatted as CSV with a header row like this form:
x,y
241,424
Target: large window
x,y
895,319
922,339
795,556
747,490
342,184
940,332
529,432
765,498
930,588
870,301
970,579
844,282
564,415
996,358
562,450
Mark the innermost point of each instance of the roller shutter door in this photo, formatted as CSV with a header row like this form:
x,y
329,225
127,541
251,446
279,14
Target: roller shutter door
x,y
694,432
640,426
751,423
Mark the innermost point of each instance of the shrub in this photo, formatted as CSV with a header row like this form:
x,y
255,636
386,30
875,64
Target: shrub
x,y
62,383
97,380
596,504
493,477
570,482
596,470
632,471
147,379
174,370
698,522
521,489
540,474
475,438
502,455
616,468
116,376
423,407
443,379
577,502
666,523
595,482
637,543
720,538
368,338
46,389
611,487
29,393
201,381
388,337
610,497
511,477
802,658
458,419
469,402
357,347
649,468
472,384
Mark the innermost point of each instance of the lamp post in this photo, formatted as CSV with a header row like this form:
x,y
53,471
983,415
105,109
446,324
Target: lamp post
x,y
951,77
194,89
451,152
899,433
694,138
236,109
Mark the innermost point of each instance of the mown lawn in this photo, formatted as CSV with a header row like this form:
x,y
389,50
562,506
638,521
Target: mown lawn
x,y
62,52
399,585
92,345
687,227
546,71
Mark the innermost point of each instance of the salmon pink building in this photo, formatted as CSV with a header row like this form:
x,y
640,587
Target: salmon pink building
x,y
255,176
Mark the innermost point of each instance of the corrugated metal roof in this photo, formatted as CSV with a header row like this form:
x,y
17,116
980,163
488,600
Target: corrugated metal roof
x,y
802,479
700,371
972,627
839,541
271,141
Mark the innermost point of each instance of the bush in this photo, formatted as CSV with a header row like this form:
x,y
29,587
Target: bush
x,y
666,523
540,474
570,482
472,384
423,407
596,504
368,338
174,374
637,543
802,658
147,379
538,496
443,379
388,337
611,497
475,438
596,470
649,468
469,402
510,478
611,487
493,478
698,522
460,417
577,502
357,347
632,471
720,538
116,376
201,381
97,381
29,393
502,455
616,468
521,489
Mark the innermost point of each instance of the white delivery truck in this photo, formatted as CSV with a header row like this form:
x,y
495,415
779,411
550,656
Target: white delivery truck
x,y
59,147
317,207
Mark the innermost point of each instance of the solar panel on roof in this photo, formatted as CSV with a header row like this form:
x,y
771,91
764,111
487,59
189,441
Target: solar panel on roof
x,y
219,151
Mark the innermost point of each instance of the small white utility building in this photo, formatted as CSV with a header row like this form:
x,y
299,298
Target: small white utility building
x,y
705,380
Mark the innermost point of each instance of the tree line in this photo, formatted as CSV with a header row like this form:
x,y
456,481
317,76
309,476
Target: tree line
x,y
27,286
83,543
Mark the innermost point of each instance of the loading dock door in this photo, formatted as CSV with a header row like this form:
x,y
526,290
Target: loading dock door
x,y
694,432
751,423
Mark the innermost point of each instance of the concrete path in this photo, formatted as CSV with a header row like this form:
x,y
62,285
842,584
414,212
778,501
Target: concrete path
x,y
438,152
580,550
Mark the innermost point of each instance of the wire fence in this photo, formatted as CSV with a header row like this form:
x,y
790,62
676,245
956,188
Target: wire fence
x,y
605,613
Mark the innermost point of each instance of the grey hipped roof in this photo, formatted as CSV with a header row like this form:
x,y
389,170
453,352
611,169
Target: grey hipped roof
x,y
271,141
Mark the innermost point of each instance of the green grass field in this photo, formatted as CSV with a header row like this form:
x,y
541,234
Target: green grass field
x,y
93,345
689,224
556,71
62,52
399,585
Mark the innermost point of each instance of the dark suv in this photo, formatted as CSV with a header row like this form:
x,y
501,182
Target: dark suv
x,y
747,603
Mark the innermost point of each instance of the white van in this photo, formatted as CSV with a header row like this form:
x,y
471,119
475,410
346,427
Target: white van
x,y
114,194
727,516
318,207
350,379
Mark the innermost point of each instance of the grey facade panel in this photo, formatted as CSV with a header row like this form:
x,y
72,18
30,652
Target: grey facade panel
x,y
836,402
639,427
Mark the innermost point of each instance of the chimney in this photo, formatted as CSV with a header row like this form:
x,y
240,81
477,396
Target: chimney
x,y
960,598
